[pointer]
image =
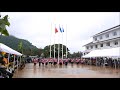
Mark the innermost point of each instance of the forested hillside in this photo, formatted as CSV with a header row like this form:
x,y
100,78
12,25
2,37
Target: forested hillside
x,y
12,42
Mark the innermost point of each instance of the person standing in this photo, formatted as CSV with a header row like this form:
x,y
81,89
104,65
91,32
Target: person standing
x,y
39,60
66,62
35,61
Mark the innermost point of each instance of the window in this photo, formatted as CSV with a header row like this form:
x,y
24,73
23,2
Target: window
x,y
114,33
108,44
95,46
100,37
101,45
95,39
107,35
87,47
91,47
116,43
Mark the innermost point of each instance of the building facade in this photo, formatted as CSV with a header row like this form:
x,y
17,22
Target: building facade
x,y
109,38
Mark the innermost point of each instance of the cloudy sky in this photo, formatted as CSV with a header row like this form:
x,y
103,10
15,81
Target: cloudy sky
x,y
79,27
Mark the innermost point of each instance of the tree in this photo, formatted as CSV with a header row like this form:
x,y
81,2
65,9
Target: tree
x,y
76,54
46,50
40,51
3,23
20,47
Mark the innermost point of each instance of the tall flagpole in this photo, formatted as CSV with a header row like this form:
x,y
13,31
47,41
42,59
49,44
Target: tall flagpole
x,y
54,44
62,43
50,39
66,41
58,47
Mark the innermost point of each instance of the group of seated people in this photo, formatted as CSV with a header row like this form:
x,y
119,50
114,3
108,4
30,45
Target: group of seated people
x,y
7,68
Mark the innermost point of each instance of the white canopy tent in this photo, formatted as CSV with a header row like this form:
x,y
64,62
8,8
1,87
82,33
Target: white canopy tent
x,y
4,48
111,52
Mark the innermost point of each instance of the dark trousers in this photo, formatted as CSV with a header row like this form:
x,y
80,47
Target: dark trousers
x,y
34,64
39,63
66,63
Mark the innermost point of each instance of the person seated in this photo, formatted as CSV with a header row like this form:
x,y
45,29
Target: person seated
x,y
5,73
1,75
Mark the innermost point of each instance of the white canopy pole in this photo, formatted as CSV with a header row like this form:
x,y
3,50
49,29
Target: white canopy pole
x,y
17,62
20,61
96,61
8,61
115,63
14,63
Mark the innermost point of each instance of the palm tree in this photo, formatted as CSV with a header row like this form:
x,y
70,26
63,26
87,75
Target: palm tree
x,y
3,23
20,47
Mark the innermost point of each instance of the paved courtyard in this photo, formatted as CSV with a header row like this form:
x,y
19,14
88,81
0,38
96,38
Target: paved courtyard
x,y
75,71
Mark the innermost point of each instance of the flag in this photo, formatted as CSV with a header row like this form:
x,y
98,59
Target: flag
x,y
61,29
56,30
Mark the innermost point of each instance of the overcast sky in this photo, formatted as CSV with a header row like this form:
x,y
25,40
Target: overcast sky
x,y
39,27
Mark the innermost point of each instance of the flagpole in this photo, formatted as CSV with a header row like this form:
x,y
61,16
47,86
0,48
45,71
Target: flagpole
x,y
50,39
58,48
54,46
66,40
62,45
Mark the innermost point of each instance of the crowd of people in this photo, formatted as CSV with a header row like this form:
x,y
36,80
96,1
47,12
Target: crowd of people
x,y
51,61
115,63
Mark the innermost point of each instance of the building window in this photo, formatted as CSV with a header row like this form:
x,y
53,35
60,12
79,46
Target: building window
x,y
116,43
114,33
100,37
87,47
91,47
95,39
108,44
107,35
101,45
95,46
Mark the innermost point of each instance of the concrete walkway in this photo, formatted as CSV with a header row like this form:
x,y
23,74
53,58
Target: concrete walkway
x,y
80,71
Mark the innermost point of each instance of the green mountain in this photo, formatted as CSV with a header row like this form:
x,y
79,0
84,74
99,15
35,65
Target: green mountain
x,y
12,42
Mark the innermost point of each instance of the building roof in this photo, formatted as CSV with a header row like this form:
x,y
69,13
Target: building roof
x,y
103,32
107,30
88,44
102,41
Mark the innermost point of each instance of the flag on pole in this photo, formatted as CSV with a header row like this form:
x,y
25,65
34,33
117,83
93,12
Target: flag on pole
x,y
61,29
56,30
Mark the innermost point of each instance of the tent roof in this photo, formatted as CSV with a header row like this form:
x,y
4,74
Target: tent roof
x,y
111,52
7,49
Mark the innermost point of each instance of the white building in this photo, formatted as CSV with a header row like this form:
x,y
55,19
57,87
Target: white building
x,y
109,38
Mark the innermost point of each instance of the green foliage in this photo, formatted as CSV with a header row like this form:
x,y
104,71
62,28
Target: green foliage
x,y
47,50
13,42
3,23
20,47
76,55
